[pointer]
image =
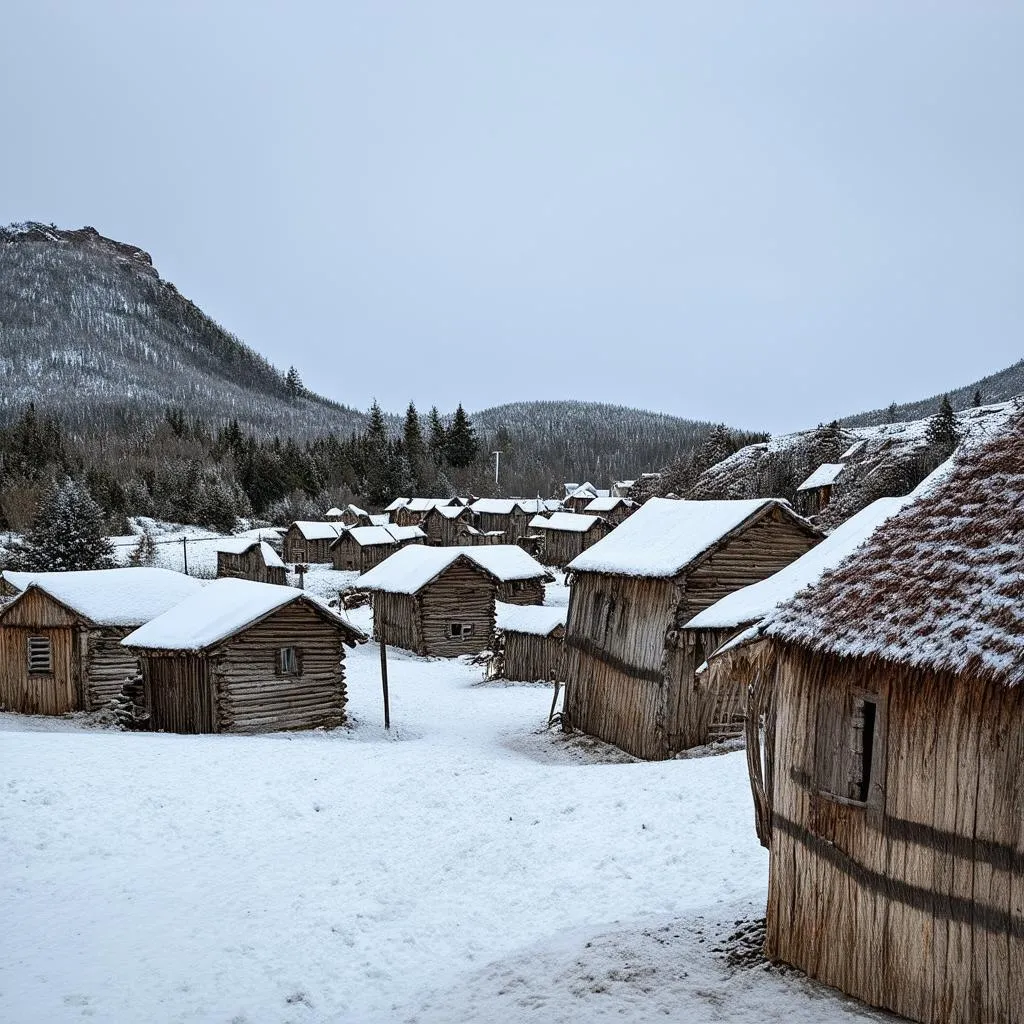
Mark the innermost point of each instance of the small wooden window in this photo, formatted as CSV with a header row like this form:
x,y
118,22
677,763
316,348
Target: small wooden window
x,y
848,755
460,630
40,656
288,661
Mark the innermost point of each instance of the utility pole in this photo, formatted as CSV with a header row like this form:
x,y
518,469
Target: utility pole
x,y
184,552
497,463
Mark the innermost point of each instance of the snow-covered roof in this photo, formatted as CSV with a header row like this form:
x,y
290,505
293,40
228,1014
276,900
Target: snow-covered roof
x,y
220,610
312,530
570,522
379,519
826,474
407,571
112,597
405,533
450,511
606,504
749,604
538,521
540,620
334,511
397,504
426,504
240,545
587,490
665,535
356,510
368,536
495,506
939,585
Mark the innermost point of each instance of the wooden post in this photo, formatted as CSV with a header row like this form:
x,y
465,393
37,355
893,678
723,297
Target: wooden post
x,y
184,552
384,682
554,700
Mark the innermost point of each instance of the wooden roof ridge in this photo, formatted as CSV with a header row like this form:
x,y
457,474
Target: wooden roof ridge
x,y
70,609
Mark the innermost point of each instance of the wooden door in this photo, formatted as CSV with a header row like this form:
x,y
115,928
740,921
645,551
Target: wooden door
x,y
181,695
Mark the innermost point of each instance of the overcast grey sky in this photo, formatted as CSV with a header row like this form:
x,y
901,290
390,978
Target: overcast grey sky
x,y
763,213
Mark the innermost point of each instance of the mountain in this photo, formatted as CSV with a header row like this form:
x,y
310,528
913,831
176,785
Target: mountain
x,y
90,331
997,387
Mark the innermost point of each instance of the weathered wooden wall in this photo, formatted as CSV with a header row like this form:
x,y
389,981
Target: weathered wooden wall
x,y
914,901
179,693
107,665
528,657
462,593
396,620
560,547
253,697
347,555
250,566
443,531
295,548
522,591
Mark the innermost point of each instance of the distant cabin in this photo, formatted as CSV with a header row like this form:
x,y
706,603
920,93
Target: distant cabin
x,y
360,548
611,509
350,515
60,637
622,488
442,523
307,541
414,510
564,535
890,787
529,643
578,499
441,601
630,666
249,558
815,493
333,515
240,656
470,536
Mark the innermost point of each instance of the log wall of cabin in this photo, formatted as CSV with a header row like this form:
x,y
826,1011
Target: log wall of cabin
x,y
462,594
522,592
349,556
297,549
562,546
530,658
615,660
487,521
249,565
53,693
396,620
913,901
253,697
108,665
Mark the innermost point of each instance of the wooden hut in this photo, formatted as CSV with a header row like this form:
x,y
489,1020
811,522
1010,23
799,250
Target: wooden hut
x,y
442,523
734,620
308,541
578,499
360,548
470,536
564,535
412,513
350,515
529,643
612,510
248,558
815,493
892,786
493,514
60,637
629,667
240,656
440,601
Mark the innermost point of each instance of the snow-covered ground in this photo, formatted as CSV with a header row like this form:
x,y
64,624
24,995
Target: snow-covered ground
x,y
468,866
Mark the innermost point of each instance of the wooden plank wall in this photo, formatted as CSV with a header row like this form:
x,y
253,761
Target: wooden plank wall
x,y
521,592
562,546
914,902
462,593
252,697
396,617
530,658
249,566
179,693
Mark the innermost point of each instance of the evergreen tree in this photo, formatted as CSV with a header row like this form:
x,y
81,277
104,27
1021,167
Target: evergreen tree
x,y
461,445
293,383
892,413
67,533
977,399
379,457
438,436
942,429
145,550
414,450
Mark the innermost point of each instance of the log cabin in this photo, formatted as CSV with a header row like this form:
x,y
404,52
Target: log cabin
x,y
630,669
529,643
360,548
60,637
564,535
307,541
248,558
442,523
611,509
815,493
240,656
890,788
580,497
469,536
414,510
350,515
440,601
734,621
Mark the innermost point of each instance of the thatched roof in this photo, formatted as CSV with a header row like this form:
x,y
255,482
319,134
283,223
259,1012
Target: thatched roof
x,y
940,586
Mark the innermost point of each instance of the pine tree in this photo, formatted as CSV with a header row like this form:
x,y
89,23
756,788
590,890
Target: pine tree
x,y
977,399
379,457
293,383
892,413
67,533
942,428
461,445
438,436
145,550
415,450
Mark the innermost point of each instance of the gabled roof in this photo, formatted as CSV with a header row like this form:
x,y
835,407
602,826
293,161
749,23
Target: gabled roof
x,y
750,604
940,586
222,609
314,530
426,504
825,475
450,511
587,490
405,533
242,545
607,504
409,570
370,536
334,511
397,504
379,519
665,536
538,620
110,597
569,522
495,506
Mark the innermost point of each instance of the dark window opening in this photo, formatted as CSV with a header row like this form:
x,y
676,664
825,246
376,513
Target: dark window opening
x,y
862,747
460,630
288,661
